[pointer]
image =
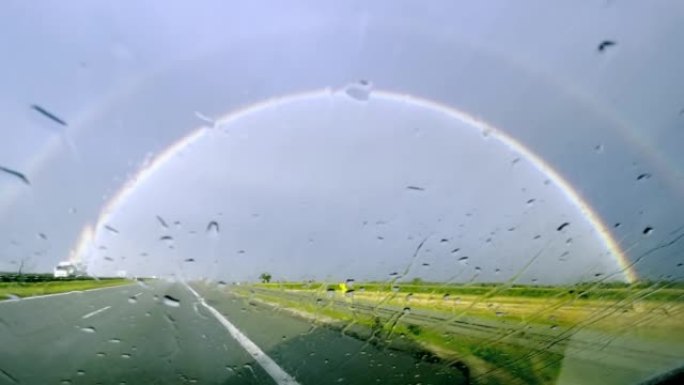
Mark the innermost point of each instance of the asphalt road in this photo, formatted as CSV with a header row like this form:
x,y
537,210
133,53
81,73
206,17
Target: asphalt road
x,y
163,334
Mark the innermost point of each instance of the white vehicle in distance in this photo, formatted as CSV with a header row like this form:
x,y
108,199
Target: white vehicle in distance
x,y
66,269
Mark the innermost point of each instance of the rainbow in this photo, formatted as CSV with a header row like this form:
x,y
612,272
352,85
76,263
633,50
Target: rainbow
x,y
88,234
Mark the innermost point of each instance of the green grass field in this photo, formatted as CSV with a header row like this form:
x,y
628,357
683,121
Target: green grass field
x,y
10,290
653,311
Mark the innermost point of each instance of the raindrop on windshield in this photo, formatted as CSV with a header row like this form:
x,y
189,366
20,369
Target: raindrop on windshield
x,y
171,301
213,227
162,222
88,329
415,188
111,229
360,90
132,300
605,45
648,230
562,226
644,176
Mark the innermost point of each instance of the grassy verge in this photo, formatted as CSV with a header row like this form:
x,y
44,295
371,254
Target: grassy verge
x,y
484,362
28,289
656,309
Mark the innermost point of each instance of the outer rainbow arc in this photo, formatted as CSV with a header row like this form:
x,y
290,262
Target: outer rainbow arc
x,y
574,197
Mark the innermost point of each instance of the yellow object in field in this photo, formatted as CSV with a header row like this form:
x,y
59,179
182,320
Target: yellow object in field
x,y
343,287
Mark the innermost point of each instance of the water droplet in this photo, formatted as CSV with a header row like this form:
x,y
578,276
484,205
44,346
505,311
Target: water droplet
x,y
189,260
80,372
644,176
88,329
111,229
213,228
65,382
115,340
166,238
162,222
617,224
415,188
395,288
500,314
478,268
598,275
360,90
530,201
511,228
100,354
425,264
463,259
648,230
171,301
605,44
380,238
240,251
536,236
394,274
42,236
125,355
456,250
406,310
497,271
133,300
554,327
562,226
599,148
515,161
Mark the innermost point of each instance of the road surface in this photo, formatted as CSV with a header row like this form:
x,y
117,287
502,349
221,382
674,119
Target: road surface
x,y
162,333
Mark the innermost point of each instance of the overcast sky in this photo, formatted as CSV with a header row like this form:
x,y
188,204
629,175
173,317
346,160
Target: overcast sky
x,y
317,188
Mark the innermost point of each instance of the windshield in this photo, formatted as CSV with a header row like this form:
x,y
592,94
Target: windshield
x,y
398,192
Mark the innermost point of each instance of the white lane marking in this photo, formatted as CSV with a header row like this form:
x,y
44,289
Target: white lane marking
x,y
276,372
22,299
92,313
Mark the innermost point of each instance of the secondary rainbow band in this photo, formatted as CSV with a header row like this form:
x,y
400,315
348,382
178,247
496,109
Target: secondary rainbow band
x,y
85,242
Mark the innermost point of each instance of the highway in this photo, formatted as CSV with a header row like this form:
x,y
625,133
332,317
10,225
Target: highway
x,y
166,333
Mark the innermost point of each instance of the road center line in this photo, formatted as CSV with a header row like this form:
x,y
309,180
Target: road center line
x,y
92,313
276,372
